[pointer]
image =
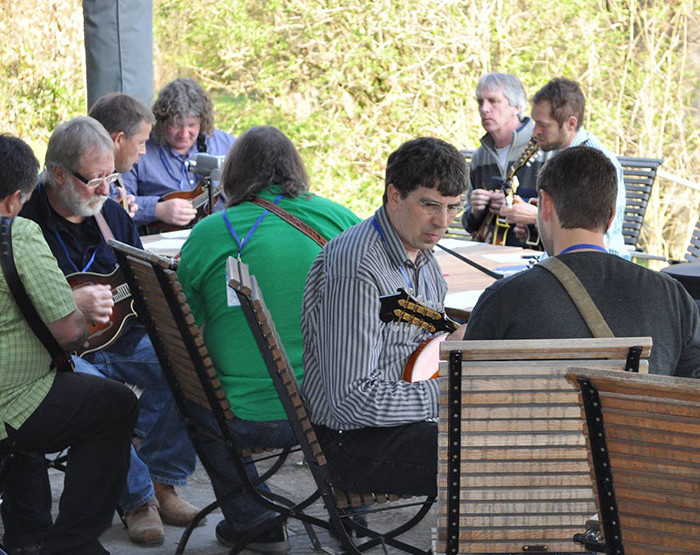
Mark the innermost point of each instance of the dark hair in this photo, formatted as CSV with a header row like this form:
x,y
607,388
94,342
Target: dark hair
x,y
582,182
121,112
565,99
426,162
181,99
18,166
260,157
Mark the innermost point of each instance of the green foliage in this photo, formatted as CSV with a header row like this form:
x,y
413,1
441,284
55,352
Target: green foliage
x,y
350,80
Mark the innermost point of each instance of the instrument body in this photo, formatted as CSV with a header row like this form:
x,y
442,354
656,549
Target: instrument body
x,y
103,335
401,307
199,197
494,228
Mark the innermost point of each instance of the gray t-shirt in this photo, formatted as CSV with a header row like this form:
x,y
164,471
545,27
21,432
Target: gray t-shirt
x,y
633,300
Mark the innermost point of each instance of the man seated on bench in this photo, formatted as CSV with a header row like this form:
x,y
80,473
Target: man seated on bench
x,y
263,165
577,190
378,431
42,410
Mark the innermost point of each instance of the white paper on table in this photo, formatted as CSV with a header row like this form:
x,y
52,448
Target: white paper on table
x,y
178,234
464,300
506,257
163,245
457,243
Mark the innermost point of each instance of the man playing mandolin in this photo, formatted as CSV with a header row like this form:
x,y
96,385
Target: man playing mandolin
x,y
367,418
184,126
67,205
501,98
557,110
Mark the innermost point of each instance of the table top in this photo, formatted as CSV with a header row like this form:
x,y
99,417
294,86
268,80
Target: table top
x,y
464,282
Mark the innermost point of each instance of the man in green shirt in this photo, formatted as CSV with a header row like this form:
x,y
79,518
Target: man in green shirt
x,y
43,411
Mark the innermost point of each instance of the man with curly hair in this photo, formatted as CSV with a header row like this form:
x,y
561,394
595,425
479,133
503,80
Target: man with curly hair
x,y
184,126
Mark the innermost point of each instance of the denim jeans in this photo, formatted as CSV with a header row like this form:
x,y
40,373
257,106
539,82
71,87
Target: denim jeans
x,y
242,513
166,454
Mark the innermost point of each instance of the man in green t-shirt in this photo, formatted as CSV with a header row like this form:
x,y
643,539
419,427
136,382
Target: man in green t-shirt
x,y
44,411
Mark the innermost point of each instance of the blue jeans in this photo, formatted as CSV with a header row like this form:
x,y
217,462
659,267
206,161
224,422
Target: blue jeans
x,y
166,454
241,513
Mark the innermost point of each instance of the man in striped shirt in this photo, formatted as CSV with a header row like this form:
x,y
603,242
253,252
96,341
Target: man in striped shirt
x,y
378,431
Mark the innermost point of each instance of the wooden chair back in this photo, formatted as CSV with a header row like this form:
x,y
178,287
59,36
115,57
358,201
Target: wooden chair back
x,y
639,175
512,461
692,254
643,438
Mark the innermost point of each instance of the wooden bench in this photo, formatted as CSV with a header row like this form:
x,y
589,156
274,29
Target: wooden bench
x,y
643,438
162,307
284,378
512,461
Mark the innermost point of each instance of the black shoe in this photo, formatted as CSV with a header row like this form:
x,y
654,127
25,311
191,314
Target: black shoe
x,y
272,541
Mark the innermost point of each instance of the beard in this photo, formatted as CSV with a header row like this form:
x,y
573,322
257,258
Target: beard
x,y
85,208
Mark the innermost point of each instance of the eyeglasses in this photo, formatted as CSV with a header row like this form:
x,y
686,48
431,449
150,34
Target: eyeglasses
x,y
432,208
97,181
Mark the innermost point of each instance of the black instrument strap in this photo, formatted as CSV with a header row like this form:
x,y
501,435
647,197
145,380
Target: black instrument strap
x,y
60,359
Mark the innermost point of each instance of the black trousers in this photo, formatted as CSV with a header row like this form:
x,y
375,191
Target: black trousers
x,y
400,459
94,418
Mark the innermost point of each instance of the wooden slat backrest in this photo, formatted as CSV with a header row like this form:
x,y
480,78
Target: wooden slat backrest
x,y
272,349
639,175
181,341
652,431
524,473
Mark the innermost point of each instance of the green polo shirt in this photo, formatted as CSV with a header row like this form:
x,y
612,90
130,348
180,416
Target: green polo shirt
x,y
279,256
25,378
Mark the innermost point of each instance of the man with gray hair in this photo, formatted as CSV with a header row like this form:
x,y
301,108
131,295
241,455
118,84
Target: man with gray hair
x,y
502,100
72,206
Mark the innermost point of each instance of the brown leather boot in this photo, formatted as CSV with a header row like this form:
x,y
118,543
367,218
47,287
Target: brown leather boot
x,y
144,524
174,510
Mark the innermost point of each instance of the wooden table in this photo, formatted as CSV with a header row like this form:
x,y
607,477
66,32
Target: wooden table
x,y
466,283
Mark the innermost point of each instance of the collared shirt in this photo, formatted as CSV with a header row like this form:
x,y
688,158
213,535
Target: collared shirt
x,y
73,244
162,170
25,378
614,240
353,361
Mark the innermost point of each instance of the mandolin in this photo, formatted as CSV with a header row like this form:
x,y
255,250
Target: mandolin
x,y
494,229
103,335
199,196
403,308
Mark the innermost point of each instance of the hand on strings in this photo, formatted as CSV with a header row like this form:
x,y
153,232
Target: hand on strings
x,y
176,211
521,232
520,213
95,302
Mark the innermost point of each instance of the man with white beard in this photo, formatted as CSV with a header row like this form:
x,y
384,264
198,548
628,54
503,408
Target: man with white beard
x,y
72,196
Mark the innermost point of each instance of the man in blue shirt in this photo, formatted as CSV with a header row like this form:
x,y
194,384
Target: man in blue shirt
x,y
184,126
66,205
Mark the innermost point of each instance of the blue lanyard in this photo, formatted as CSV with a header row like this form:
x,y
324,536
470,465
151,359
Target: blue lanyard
x,y
240,243
404,274
65,250
581,246
177,180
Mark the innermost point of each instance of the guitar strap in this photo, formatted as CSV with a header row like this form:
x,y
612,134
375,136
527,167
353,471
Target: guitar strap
x,y
104,227
60,359
581,298
314,235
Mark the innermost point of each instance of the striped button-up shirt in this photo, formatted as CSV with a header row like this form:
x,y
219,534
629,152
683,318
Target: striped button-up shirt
x,y
353,361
